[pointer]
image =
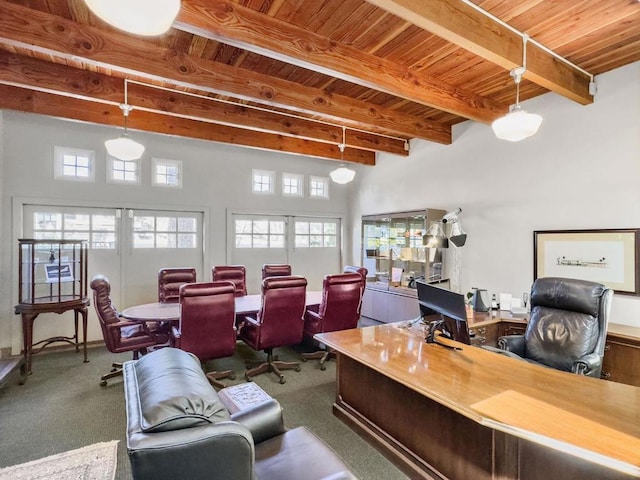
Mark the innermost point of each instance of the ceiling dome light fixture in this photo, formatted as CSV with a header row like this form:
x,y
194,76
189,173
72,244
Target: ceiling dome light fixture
x,y
123,147
342,174
140,17
518,124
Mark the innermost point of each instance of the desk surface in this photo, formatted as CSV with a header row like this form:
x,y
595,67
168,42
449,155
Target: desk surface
x,y
156,311
593,419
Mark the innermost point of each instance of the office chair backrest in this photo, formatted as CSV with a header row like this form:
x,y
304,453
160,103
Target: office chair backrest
x,y
340,304
207,319
106,312
275,270
236,274
171,279
362,271
282,311
569,319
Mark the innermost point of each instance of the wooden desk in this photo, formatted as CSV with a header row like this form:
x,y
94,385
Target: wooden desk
x,y
168,312
473,414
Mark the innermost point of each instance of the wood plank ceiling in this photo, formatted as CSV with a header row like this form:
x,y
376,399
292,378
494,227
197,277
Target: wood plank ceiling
x,y
289,75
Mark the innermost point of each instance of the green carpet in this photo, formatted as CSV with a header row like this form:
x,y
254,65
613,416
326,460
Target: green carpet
x,y
62,407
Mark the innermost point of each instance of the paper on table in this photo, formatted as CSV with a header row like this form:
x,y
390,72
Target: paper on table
x,y
505,301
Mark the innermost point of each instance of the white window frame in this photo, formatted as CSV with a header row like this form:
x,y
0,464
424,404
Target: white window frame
x,y
157,162
263,173
325,181
110,165
59,153
298,178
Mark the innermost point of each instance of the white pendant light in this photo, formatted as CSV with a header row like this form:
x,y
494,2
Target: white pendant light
x,y
342,174
141,17
123,147
518,124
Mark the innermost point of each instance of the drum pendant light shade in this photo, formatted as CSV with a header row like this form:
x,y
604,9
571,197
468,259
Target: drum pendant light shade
x,y
140,17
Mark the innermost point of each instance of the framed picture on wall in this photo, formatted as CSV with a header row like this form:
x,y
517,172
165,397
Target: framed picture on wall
x,y
607,256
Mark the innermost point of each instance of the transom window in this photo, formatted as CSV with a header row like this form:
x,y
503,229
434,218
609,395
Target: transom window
x,y
123,171
260,233
164,232
167,173
263,181
319,187
292,185
316,234
74,164
99,230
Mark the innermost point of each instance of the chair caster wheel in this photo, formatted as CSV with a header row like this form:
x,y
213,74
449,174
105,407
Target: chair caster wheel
x,y
297,369
282,380
247,378
103,383
232,377
114,369
303,359
323,367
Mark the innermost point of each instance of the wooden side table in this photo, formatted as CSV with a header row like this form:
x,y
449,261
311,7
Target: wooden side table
x,y
30,311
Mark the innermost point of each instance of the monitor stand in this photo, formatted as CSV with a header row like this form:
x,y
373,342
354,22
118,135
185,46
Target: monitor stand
x,y
434,326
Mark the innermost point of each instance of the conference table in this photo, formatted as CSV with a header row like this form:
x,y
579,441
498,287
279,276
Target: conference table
x,y
468,413
170,312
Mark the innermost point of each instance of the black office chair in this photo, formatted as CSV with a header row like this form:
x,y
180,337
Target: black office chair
x,y
567,327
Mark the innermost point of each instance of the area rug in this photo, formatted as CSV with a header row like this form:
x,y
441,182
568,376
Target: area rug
x,y
95,462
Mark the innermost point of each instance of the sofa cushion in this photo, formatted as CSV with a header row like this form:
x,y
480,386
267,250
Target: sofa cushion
x,y
174,392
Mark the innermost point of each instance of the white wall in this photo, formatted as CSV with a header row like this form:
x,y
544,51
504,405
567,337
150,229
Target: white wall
x,y
217,177
580,171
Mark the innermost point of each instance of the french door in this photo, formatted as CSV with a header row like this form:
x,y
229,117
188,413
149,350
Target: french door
x,y
311,245
128,246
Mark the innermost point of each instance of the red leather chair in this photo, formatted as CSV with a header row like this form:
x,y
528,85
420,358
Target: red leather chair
x,y
236,274
339,310
137,338
275,270
170,280
362,272
278,323
207,324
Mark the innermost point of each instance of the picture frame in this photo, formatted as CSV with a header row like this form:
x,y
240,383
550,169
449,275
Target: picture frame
x,y
607,256
58,273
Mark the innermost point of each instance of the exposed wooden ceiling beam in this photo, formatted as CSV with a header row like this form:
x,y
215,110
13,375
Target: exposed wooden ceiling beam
x,y
46,76
32,101
39,31
461,24
245,28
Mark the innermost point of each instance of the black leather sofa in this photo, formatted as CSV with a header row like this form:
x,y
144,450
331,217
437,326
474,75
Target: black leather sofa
x,y
177,427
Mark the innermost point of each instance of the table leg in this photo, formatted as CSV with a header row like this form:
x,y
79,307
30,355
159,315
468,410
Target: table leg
x,y
75,324
83,312
27,336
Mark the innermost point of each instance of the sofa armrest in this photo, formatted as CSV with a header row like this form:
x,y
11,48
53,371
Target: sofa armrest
x,y
589,365
512,343
264,420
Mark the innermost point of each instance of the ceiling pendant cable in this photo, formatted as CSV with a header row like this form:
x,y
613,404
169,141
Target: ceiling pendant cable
x,y
123,147
342,174
518,124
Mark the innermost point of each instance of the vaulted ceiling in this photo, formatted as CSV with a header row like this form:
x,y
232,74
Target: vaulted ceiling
x,y
289,75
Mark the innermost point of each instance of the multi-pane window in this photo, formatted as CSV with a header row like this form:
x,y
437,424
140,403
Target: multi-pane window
x,y
260,233
98,229
152,231
74,164
263,181
292,185
123,171
316,234
167,173
319,187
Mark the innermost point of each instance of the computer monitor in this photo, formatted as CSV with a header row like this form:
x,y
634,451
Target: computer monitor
x,y
445,306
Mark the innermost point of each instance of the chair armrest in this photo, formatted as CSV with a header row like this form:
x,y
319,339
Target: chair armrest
x,y
313,309
587,365
251,320
512,343
313,314
264,420
122,323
